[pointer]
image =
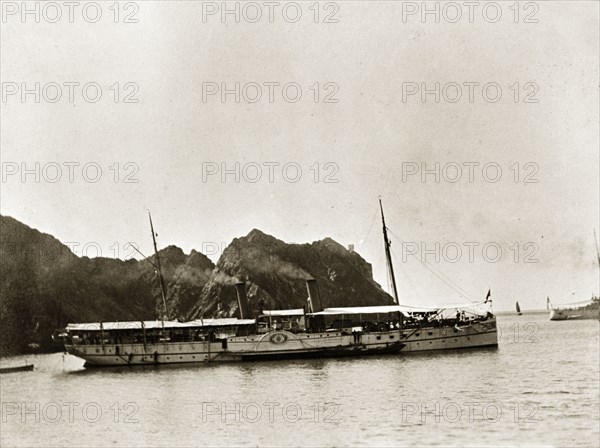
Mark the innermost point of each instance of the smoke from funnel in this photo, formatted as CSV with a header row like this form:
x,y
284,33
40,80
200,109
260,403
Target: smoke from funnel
x,y
313,294
243,304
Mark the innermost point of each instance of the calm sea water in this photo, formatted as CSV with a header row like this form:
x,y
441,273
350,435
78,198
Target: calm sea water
x,y
539,388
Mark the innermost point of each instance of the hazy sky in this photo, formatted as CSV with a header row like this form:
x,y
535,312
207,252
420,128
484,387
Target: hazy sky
x,y
359,128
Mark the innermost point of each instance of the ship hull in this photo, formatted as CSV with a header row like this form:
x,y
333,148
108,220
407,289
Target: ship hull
x,y
574,314
287,345
478,334
274,345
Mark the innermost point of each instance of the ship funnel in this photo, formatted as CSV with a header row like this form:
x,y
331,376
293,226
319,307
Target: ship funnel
x,y
243,304
313,295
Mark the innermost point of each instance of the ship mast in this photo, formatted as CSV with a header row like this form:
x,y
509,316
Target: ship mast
x,y
388,255
160,276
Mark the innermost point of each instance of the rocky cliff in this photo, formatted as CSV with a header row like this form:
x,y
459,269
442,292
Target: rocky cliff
x,y
275,274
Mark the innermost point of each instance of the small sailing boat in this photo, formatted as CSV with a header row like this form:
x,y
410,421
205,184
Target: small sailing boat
x,y
26,368
518,308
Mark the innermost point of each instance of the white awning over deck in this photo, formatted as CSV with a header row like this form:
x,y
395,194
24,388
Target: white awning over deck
x,y
291,312
392,309
360,310
157,324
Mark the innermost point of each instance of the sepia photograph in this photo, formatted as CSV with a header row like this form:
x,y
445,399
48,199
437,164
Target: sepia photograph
x,y
348,223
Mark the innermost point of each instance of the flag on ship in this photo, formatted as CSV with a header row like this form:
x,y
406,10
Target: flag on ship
x,y
489,294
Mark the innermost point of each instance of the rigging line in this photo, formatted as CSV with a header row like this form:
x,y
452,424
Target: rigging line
x,y
412,285
427,264
453,287
384,263
139,252
466,294
458,289
160,275
371,226
597,248
575,303
430,267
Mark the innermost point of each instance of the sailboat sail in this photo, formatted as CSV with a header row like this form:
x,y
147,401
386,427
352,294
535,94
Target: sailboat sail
x,y
518,308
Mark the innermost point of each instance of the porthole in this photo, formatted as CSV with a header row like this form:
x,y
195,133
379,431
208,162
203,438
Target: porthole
x,y
379,338
392,336
418,334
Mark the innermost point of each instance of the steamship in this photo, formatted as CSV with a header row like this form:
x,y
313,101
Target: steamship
x,y
577,311
274,334
589,309
311,331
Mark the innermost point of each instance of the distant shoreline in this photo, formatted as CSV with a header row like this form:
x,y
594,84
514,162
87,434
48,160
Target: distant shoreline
x,y
514,313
